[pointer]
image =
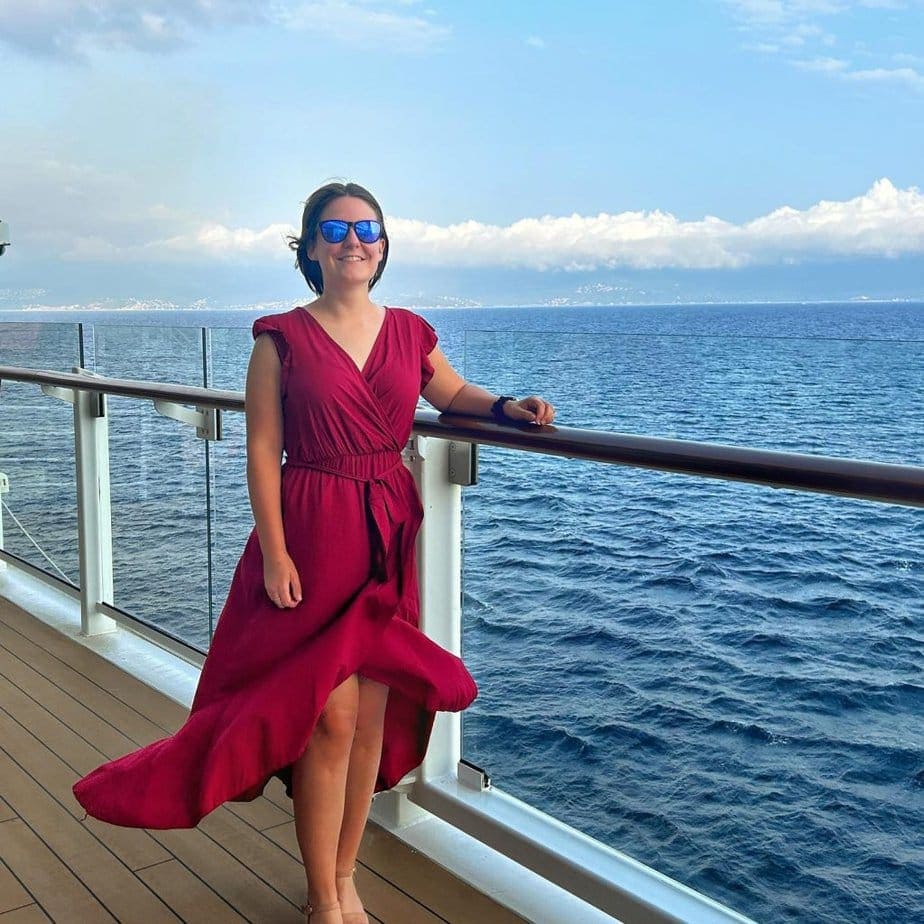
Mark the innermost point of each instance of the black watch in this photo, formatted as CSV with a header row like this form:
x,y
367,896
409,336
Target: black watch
x,y
497,409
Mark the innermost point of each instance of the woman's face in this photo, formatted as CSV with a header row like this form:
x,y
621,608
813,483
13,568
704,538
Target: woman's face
x,y
350,262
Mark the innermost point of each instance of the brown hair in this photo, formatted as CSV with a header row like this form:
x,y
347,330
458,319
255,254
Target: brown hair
x,y
315,205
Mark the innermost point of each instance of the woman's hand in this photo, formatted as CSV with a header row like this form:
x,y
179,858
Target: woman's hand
x,y
280,578
529,410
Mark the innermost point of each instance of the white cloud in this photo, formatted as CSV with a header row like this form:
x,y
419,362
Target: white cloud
x,y
73,28
905,75
69,28
217,240
884,222
74,213
805,27
371,23
825,65
534,41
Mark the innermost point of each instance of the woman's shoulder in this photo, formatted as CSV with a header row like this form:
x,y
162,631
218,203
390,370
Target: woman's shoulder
x,y
279,321
413,321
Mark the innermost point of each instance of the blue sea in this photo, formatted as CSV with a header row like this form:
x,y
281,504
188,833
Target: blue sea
x,y
723,681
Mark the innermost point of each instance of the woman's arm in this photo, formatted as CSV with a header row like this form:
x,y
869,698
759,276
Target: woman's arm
x,y
448,392
263,410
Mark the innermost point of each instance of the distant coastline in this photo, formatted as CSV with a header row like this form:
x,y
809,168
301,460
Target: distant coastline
x,y
141,306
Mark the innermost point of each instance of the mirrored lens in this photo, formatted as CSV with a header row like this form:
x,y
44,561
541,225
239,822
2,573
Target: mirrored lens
x,y
368,231
334,230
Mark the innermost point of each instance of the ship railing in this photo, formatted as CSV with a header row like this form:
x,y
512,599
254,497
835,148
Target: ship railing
x,y
442,454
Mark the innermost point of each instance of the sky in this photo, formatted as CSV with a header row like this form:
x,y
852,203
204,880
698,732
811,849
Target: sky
x,y
523,152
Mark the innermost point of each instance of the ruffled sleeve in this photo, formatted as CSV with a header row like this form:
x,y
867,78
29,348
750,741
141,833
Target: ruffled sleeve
x,y
428,339
270,325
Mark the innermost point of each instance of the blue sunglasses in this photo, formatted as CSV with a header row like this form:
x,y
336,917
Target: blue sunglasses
x,y
334,230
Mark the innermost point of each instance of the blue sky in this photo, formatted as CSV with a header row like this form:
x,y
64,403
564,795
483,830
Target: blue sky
x,y
163,150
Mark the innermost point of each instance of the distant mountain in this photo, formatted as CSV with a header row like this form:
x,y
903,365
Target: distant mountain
x,y
222,285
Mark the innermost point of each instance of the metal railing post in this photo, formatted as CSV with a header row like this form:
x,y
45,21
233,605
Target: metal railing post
x,y
439,577
4,489
94,511
439,560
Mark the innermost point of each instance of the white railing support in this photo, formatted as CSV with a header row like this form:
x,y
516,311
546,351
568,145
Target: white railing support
x,y
206,420
439,562
94,511
4,489
439,570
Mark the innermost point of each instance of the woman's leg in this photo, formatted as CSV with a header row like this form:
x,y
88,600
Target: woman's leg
x,y
364,765
319,781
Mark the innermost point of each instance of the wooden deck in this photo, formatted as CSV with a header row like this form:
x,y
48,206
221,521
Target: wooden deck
x,y
63,711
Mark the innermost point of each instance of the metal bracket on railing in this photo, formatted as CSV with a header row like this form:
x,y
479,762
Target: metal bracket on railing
x,y
414,449
463,463
57,391
206,420
62,393
473,776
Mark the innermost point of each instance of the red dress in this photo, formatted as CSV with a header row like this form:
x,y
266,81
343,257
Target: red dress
x,y
350,514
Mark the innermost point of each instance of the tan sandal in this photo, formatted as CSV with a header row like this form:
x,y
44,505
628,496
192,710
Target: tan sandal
x,y
354,917
308,911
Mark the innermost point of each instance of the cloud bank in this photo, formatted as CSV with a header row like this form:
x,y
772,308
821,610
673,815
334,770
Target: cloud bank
x,y
883,222
72,29
86,214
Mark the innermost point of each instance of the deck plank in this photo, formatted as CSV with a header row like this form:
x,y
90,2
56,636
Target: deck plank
x,y
6,812
187,895
445,894
12,893
98,869
263,812
40,746
250,895
263,856
43,688
139,712
30,914
394,902
63,711
55,885
155,706
91,690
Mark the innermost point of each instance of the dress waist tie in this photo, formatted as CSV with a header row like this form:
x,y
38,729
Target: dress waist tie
x,y
372,469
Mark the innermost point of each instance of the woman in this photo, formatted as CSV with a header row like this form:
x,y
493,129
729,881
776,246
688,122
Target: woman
x,y
317,672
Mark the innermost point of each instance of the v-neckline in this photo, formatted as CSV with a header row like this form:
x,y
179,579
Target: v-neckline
x,y
360,369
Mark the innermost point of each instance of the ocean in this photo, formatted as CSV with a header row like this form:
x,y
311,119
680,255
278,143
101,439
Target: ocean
x,y
723,681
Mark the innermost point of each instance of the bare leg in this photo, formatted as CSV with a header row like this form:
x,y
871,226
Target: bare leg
x,y
364,765
319,778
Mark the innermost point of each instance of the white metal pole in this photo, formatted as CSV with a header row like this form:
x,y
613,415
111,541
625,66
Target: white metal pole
x,y
439,558
439,575
94,512
4,489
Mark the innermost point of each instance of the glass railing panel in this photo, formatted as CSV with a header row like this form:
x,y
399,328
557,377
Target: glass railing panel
x,y
721,680
157,353
160,548
39,513
40,346
856,398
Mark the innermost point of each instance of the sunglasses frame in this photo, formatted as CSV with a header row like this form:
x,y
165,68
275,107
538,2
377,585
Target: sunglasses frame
x,y
353,225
